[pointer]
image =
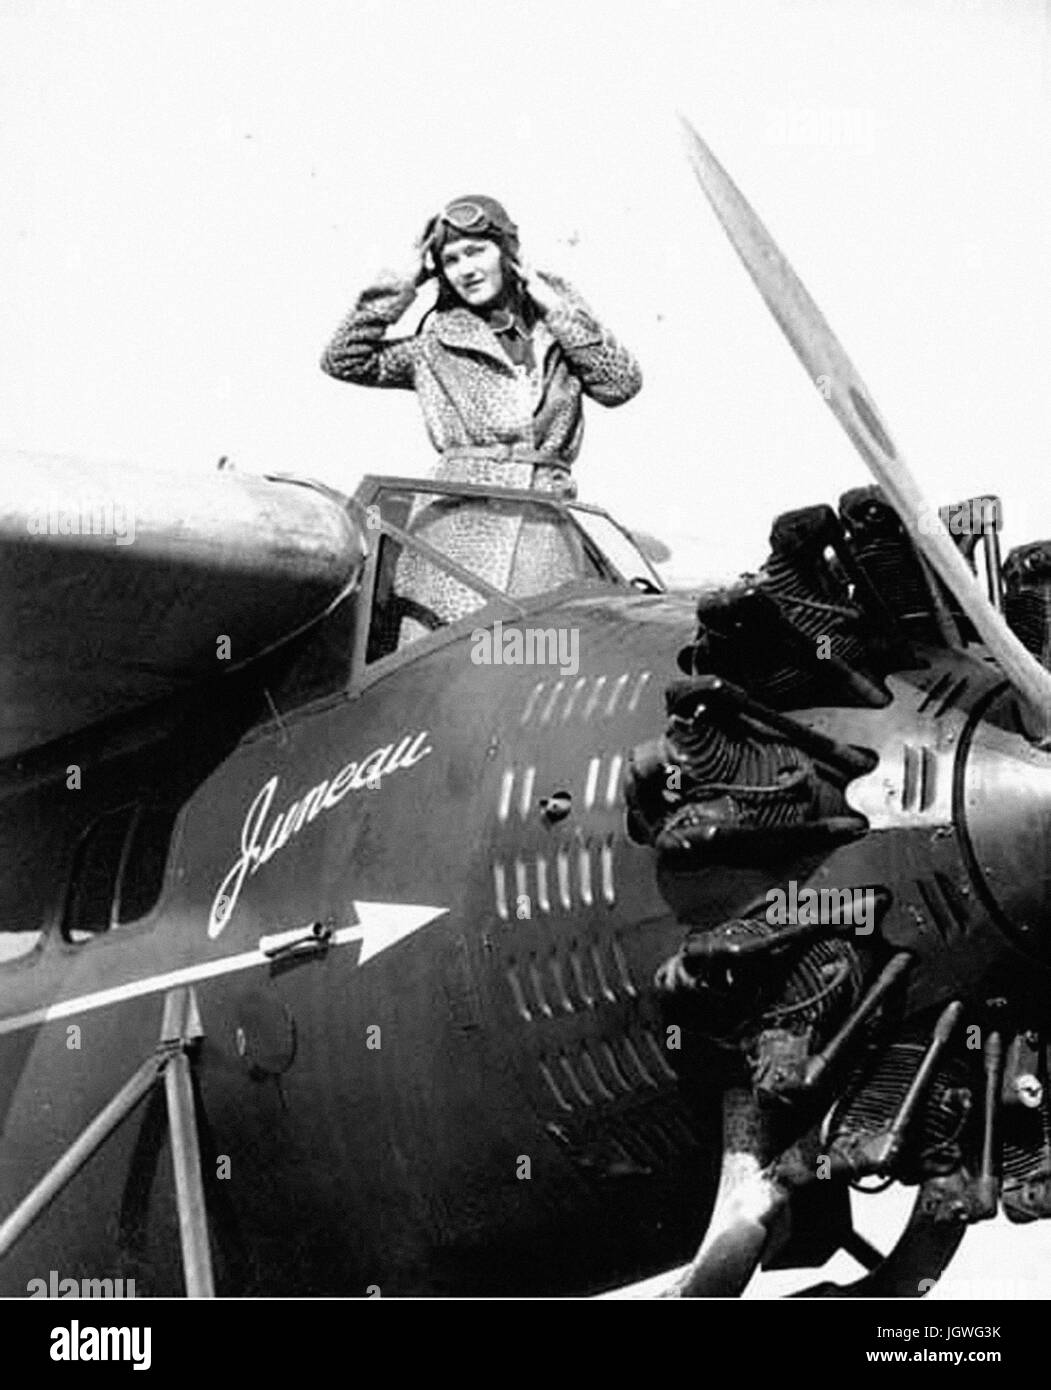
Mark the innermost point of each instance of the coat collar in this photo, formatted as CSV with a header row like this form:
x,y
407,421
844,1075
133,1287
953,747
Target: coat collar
x,y
459,328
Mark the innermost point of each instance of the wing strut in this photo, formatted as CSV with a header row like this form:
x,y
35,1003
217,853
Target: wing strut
x,y
171,1059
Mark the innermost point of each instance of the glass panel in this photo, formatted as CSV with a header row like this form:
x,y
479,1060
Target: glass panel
x,y
130,844
618,547
94,880
393,505
145,863
413,596
518,546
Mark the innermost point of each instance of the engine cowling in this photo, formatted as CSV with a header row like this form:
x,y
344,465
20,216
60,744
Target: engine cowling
x,y
845,766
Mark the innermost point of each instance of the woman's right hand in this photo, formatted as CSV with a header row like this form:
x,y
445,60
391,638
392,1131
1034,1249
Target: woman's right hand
x,y
424,268
408,275
421,272
412,272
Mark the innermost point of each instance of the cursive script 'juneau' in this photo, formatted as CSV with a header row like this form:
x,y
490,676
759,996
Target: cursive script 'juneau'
x,y
257,847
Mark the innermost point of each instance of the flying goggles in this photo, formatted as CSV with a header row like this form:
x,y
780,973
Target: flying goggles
x,y
468,217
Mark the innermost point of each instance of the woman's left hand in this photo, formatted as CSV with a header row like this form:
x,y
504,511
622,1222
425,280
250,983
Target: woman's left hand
x,y
545,296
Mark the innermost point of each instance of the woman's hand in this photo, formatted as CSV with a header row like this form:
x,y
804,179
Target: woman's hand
x,y
543,295
423,270
414,272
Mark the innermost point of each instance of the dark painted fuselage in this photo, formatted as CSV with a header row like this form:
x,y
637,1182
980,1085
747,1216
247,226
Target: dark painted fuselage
x,y
472,1097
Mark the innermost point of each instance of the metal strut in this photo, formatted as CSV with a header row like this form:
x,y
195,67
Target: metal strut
x,y
180,1031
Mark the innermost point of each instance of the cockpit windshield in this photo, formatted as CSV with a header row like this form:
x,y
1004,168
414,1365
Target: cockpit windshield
x,y
618,546
446,550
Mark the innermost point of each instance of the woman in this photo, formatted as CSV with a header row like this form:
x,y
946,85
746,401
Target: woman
x,y
499,366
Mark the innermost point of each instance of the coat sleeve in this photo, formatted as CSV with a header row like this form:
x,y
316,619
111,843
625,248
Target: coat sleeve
x,y
359,352
608,372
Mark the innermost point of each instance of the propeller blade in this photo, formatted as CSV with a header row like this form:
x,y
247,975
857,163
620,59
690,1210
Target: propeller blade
x,y
832,372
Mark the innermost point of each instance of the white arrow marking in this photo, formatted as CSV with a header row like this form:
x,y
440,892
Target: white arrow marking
x,y
379,926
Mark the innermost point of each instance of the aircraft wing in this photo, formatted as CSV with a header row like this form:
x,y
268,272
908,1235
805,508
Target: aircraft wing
x,y
117,586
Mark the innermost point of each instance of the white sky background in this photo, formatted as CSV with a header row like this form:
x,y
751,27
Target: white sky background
x,y
194,193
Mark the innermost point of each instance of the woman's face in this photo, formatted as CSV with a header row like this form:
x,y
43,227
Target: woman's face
x,y
472,266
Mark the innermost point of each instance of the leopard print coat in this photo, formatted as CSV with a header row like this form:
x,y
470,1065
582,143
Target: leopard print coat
x,y
470,392
512,422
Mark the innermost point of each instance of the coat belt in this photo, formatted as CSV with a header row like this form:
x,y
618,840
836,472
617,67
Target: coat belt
x,y
505,453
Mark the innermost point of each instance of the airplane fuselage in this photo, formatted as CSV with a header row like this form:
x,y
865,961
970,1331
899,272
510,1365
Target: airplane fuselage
x,y
420,942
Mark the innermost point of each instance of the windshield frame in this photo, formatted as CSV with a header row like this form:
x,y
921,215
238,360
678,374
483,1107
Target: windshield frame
x,y
651,573
372,484
367,494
